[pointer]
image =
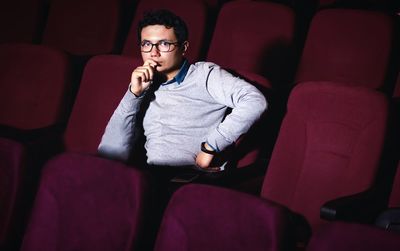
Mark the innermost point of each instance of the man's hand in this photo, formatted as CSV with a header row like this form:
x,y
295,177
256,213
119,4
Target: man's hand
x,y
142,77
203,159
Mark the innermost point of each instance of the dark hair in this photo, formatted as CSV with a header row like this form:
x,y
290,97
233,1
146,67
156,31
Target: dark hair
x,y
166,18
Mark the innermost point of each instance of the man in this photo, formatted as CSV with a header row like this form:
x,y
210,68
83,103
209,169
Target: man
x,y
185,123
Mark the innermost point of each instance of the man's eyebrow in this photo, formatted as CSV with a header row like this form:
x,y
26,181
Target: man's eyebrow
x,y
162,40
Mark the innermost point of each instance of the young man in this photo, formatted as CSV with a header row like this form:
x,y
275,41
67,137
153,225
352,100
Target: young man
x,y
185,122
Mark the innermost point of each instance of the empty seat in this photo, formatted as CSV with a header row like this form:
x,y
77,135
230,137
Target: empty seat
x,y
351,237
83,27
87,203
255,37
35,86
104,82
349,46
195,20
255,40
22,20
329,145
202,217
13,161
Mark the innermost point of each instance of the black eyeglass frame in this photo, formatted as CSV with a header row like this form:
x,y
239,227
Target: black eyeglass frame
x,y
175,44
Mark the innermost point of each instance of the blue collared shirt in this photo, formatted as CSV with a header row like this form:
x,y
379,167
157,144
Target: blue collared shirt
x,y
181,74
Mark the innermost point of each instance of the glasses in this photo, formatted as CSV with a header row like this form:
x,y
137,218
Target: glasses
x,y
162,46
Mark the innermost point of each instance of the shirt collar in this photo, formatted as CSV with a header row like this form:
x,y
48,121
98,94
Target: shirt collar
x,y
181,74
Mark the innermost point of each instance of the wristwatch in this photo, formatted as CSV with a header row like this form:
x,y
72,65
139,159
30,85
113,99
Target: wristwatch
x,y
204,149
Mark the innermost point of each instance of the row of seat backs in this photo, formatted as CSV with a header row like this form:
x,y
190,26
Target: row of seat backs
x,y
263,56
85,137
322,166
81,29
334,136
41,20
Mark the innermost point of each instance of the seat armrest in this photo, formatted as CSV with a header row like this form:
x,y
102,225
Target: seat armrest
x,y
389,219
362,207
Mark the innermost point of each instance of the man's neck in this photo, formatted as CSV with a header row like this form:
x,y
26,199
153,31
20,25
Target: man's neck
x,y
171,74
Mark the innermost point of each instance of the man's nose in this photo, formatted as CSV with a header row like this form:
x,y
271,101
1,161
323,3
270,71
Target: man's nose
x,y
154,51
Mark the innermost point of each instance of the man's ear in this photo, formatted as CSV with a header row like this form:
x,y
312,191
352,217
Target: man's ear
x,y
185,46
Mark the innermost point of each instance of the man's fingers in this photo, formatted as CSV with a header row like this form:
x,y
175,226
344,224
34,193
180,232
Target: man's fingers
x,y
150,62
144,73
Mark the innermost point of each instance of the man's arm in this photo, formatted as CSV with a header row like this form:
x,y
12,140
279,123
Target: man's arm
x,y
120,133
247,104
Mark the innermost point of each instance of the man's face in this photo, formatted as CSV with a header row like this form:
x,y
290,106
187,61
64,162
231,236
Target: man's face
x,y
168,62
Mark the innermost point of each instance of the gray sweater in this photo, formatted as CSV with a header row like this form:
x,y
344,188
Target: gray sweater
x,y
184,114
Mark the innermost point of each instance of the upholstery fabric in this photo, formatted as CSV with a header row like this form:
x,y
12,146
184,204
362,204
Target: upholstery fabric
x,y
329,145
240,43
350,46
83,27
21,20
87,203
34,81
203,217
352,237
104,82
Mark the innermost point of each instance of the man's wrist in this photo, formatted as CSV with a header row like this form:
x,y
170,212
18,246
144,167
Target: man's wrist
x,y
207,148
136,93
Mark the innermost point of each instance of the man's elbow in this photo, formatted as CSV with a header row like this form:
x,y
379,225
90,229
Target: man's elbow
x,y
113,153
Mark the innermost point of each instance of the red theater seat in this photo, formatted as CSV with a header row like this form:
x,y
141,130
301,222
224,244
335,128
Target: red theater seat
x,y
87,203
329,146
35,85
83,27
201,217
349,46
254,37
105,80
351,237
21,20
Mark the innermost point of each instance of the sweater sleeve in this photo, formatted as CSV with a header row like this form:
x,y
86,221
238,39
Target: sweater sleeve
x,y
246,101
119,136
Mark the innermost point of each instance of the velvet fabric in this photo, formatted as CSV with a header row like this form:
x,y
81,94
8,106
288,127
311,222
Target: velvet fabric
x,y
104,82
329,145
34,82
13,160
83,27
353,237
255,37
21,20
87,203
203,217
349,46
193,12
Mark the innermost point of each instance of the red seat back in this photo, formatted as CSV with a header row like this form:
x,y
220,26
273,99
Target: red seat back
x,y
83,27
255,37
104,82
349,46
87,203
329,145
35,85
